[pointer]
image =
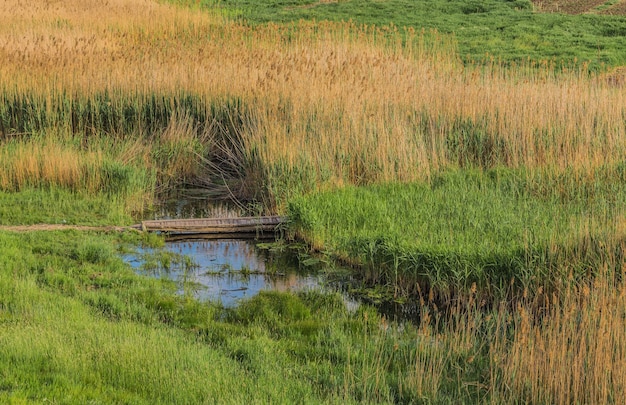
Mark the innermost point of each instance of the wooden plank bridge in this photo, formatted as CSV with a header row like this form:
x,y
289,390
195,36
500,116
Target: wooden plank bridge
x,y
205,228
214,226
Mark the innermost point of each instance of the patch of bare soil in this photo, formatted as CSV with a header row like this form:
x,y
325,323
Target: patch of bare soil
x,y
616,9
568,6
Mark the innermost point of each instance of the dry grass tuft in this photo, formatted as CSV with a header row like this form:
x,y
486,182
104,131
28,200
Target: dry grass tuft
x,y
35,164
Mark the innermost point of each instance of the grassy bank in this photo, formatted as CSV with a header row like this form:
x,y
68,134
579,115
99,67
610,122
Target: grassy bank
x,y
60,206
79,326
500,231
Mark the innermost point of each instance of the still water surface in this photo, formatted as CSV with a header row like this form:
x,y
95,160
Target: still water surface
x,y
226,270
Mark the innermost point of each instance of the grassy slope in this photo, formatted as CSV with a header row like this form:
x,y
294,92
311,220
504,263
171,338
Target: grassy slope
x,y
507,30
78,325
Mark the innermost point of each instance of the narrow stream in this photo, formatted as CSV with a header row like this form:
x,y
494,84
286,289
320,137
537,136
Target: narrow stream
x,y
195,204
231,270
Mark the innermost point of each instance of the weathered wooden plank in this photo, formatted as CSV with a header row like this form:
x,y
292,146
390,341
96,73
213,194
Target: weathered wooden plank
x,y
215,225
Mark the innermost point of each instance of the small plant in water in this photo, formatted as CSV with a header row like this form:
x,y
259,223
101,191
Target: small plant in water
x,y
225,268
163,261
245,271
188,263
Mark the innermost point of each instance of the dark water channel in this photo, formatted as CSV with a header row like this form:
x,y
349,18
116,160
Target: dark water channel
x,y
198,204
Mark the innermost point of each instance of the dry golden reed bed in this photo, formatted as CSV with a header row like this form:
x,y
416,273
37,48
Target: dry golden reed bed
x,y
566,349
352,103
576,354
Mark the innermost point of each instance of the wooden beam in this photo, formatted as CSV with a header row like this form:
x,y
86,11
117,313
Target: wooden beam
x,y
214,225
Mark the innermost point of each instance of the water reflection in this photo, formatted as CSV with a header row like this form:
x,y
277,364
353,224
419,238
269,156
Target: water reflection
x,y
227,270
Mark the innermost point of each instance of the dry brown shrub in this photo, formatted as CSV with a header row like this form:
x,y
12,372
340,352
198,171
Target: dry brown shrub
x,y
567,6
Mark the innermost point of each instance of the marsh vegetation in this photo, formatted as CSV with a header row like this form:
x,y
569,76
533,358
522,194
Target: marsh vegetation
x,y
489,190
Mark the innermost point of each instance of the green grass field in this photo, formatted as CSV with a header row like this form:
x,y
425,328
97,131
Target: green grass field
x,y
78,326
505,30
